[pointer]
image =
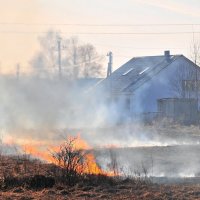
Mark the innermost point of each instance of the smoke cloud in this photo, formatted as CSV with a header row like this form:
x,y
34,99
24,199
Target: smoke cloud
x,y
44,111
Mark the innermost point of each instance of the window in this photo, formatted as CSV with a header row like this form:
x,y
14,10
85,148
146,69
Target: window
x,y
143,71
131,69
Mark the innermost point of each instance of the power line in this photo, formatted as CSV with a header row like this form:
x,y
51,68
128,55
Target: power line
x,y
88,25
105,33
138,48
135,33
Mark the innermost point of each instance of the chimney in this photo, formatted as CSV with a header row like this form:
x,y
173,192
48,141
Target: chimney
x,y
167,55
109,69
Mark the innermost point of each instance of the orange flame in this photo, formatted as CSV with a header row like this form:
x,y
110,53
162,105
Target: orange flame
x,y
91,166
36,152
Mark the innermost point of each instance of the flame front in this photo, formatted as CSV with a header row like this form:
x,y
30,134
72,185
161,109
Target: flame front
x,y
90,167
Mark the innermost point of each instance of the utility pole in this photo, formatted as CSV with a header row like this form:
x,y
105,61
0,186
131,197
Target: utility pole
x,y
109,69
59,57
17,71
109,72
75,69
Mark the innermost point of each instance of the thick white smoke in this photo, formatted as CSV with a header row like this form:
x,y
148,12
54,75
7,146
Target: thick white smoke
x,y
44,111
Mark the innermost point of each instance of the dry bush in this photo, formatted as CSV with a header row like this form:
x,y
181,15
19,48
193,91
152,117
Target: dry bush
x,y
70,160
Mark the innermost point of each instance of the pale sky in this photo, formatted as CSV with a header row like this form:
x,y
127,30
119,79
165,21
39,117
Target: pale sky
x,y
19,41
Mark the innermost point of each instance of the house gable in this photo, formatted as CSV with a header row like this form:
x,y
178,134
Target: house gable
x,y
165,84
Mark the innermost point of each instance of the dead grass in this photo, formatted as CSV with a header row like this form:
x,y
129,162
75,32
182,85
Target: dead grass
x,y
89,187
150,192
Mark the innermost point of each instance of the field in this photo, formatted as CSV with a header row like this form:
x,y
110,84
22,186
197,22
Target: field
x,y
158,161
120,191
90,187
169,170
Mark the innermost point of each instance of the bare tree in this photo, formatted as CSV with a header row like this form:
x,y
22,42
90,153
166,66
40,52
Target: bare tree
x,y
70,159
73,56
45,59
84,59
183,84
195,51
91,61
186,82
78,60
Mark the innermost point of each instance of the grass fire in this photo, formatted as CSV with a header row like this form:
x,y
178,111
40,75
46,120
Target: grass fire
x,y
73,169
74,155
99,100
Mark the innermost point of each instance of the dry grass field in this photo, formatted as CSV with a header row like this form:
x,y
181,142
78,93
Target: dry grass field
x,y
26,179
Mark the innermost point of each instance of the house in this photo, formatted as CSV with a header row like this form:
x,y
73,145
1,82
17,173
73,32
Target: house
x,y
137,87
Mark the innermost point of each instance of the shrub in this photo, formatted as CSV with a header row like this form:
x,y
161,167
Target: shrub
x,y
71,161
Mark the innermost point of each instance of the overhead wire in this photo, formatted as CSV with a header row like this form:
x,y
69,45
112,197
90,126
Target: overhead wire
x,y
97,25
103,33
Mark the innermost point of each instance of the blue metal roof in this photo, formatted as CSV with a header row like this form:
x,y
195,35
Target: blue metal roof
x,y
135,72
